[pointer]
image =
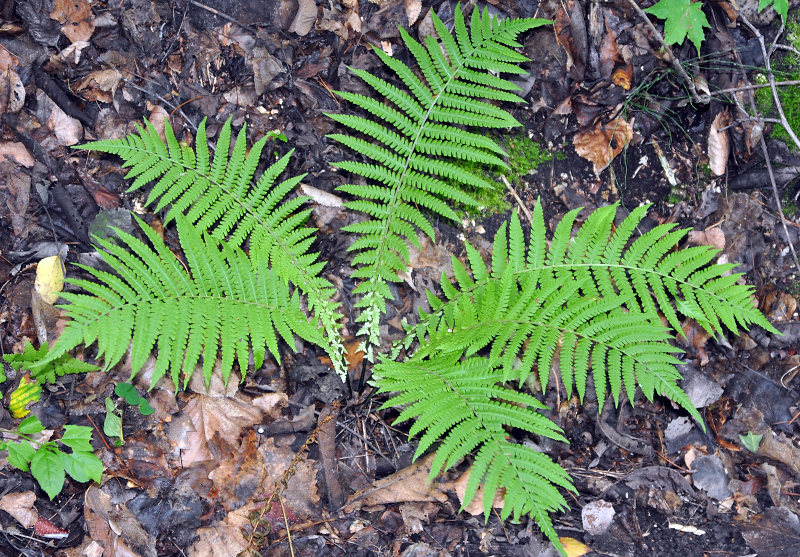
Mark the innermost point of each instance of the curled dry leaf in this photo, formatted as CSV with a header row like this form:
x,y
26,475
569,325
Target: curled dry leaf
x,y
100,85
12,92
602,143
20,506
76,18
718,144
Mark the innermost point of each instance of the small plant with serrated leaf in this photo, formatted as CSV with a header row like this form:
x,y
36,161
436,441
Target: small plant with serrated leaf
x,y
47,461
588,301
682,19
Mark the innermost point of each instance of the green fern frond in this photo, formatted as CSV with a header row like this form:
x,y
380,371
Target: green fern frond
x,y
464,405
217,195
591,301
31,357
414,141
204,311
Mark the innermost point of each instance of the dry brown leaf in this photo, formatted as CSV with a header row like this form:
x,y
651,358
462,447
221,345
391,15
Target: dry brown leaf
x,y
475,506
17,152
300,496
217,422
76,18
12,92
158,117
719,144
304,18
100,85
68,130
408,484
413,9
602,143
20,506
7,60
713,237
223,539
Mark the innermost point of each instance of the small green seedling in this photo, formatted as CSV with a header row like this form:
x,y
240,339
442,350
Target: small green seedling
x,y
112,426
48,462
132,397
751,441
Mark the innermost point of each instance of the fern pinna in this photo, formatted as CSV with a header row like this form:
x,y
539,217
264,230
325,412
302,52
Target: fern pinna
x,y
225,303
590,302
217,196
415,139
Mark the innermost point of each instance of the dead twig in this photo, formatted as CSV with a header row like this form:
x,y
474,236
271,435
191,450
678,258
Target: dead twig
x,y
522,206
771,78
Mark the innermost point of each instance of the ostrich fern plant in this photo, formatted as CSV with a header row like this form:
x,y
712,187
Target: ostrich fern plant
x,y
588,303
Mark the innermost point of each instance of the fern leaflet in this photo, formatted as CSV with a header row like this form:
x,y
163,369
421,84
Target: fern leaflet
x,y
217,196
205,311
463,404
415,141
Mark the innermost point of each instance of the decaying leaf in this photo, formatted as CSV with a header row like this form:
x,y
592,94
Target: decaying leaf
x,y
20,506
76,18
12,92
49,278
216,421
100,85
602,143
718,144
408,484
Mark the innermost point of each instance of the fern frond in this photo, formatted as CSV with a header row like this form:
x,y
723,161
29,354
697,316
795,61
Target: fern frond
x,y
204,311
414,142
31,357
218,196
464,405
590,301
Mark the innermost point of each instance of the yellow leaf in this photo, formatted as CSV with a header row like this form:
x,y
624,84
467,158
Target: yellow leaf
x,y
27,393
49,278
573,547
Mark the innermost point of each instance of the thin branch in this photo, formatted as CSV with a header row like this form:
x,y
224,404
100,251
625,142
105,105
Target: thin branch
x,y
670,55
771,78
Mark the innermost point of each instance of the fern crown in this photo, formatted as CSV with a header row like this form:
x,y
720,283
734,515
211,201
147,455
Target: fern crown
x,y
413,144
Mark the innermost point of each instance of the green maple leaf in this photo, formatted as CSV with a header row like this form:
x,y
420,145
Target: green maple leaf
x,y
781,7
682,19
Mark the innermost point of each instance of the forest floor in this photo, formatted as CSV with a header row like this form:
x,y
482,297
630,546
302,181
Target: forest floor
x,y
188,478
